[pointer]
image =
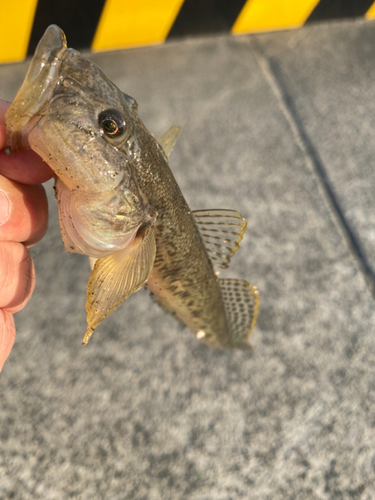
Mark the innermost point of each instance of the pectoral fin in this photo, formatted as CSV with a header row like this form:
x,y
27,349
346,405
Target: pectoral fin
x,y
115,277
92,262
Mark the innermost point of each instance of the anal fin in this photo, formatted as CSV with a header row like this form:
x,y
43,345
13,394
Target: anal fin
x,y
241,304
222,232
115,277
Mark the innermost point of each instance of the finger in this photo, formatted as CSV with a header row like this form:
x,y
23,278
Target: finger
x,y
17,276
22,166
24,212
25,166
7,335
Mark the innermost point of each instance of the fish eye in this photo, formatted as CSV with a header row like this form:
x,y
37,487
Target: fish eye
x,y
112,123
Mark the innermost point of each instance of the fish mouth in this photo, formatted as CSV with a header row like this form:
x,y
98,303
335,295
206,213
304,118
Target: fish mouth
x,y
37,88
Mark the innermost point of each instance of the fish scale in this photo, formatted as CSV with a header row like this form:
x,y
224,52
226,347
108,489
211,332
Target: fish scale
x,y
182,278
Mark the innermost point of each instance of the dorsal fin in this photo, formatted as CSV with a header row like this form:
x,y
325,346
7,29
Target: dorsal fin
x,y
241,304
222,232
168,140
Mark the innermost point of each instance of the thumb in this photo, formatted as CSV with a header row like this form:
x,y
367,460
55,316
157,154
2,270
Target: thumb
x,y
7,335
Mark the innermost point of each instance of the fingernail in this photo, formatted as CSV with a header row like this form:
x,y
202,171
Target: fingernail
x,y
4,207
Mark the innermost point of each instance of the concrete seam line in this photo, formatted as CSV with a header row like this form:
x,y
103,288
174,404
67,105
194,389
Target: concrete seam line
x,y
315,164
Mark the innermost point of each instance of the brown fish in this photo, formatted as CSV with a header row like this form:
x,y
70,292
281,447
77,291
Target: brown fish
x,y
120,204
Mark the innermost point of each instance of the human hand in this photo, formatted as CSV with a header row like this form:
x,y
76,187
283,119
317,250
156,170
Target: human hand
x,y
23,222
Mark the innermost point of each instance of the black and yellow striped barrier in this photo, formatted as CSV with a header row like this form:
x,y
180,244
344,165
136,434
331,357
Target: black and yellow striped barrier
x,y
114,24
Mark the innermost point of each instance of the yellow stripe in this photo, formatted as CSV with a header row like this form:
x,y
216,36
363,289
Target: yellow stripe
x,y
370,14
269,15
16,21
125,23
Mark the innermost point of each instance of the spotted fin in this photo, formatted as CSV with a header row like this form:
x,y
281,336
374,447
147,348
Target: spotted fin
x,y
222,232
115,277
241,304
168,140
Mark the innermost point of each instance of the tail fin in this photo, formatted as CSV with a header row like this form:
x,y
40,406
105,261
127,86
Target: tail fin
x,y
241,303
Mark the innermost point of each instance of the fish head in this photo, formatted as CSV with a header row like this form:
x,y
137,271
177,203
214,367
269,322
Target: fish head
x,y
84,127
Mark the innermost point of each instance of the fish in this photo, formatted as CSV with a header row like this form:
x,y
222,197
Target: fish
x,y
120,205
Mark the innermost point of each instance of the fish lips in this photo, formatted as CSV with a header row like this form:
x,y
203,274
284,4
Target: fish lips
x,y
37,88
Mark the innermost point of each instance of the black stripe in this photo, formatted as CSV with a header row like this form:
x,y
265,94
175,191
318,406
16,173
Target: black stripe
x,y
77,18
331,9
206,16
